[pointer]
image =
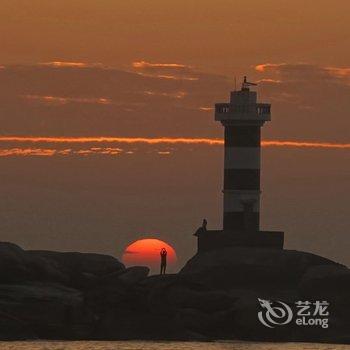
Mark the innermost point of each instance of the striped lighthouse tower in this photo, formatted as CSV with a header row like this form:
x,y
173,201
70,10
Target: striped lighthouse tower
x,y
242,119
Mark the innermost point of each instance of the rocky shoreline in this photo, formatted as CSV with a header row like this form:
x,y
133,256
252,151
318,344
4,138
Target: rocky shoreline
x,y
81,296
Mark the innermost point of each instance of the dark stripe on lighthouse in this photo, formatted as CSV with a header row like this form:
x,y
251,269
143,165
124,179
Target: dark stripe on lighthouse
x,y
242,136
242,179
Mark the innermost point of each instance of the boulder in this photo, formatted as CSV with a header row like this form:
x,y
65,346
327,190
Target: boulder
x,y
133,275
259,268
41,310
163,292
44,270
80,270
17,265
95,264
194,320
325,281
110,280
331,284
13,266
101,298
210,301
246,325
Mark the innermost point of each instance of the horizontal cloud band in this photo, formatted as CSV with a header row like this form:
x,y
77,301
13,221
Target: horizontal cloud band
x,y
164,140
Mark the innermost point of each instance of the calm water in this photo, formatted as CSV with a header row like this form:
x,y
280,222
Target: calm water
x,y
138,345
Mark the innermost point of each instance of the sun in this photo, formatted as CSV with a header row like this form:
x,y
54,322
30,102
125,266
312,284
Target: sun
x,y
146,252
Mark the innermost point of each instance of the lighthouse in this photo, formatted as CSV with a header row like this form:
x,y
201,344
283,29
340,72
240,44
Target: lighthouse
x,y
242,118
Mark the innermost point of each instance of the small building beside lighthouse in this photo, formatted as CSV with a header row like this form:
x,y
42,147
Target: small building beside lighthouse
x,y
242,119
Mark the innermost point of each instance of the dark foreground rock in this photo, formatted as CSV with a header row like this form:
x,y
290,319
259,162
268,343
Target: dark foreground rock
x,y
277,275
215,296
71,269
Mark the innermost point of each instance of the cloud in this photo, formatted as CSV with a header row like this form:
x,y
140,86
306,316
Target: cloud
x,y
206,109
306,144
65,64
158,141
308,101
177,94
269,81
173,71
25,152
171,77
56,100
263,67
50,152
22,146
339,72
144,64
303,72
105,139
293,71
64,99
131,252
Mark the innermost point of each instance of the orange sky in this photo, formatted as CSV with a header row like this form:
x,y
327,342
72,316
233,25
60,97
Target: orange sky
x,y
221,36
147,70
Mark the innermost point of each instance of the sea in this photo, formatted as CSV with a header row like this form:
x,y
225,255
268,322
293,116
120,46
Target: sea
x,y
151,345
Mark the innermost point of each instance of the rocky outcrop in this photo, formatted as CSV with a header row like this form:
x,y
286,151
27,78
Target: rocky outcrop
x,y
215,296
281,275
70,269
75,269
37,310
265,269
325,281
134,274
13,264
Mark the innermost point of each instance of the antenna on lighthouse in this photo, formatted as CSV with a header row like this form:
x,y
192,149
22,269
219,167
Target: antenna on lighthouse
x,y
246,84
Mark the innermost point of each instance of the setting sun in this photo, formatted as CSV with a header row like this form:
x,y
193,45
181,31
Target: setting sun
x,y
146,252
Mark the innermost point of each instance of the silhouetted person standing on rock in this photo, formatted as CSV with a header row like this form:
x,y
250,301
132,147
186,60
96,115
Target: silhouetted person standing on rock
x,y
163,254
